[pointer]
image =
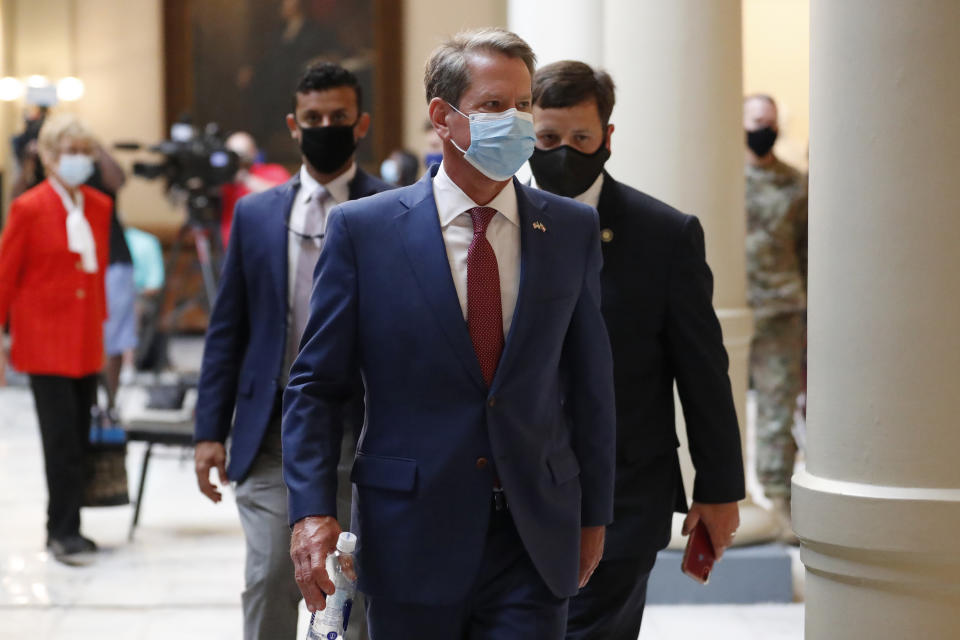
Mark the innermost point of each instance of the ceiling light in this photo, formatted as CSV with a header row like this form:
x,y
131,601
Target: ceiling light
x,y
70,89
10,89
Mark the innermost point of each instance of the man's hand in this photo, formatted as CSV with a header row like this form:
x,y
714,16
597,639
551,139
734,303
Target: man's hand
x,y
591,550
209,455
721,521
313,539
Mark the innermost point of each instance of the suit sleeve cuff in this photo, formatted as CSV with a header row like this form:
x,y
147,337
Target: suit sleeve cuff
x,y
203,431
718,492
303,507
596,515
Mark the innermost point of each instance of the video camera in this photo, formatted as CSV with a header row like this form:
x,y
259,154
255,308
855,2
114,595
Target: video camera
x,y
195,164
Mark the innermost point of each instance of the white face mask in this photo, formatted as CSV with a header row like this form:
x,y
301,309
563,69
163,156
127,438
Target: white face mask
x,y
75,168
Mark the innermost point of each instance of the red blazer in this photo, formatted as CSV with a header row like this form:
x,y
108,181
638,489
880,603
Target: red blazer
x,y
56,310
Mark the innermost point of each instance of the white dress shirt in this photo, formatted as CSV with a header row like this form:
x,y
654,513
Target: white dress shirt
x,y
592,195
79,234
338,190
503,233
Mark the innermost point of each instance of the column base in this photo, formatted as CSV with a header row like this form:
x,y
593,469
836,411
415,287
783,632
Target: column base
x,y
882,562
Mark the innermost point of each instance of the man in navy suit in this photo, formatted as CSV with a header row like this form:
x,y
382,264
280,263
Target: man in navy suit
x,y
657,303
255,328
483,479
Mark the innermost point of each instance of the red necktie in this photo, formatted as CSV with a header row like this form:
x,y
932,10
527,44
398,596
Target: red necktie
x,y
484,309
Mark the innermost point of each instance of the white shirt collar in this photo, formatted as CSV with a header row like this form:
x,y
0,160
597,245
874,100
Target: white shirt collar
x,y
452,201
68,202
79,234
592,195
338,188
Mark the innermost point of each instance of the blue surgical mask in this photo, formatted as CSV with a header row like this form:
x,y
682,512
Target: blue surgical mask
x,y
75,168
390,171
499,142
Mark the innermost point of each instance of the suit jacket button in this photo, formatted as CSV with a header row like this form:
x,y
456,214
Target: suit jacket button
x,y
81,294
606,235
481,463
492,402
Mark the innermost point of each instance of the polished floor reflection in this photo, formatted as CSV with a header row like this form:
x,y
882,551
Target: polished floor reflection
x,y
182,573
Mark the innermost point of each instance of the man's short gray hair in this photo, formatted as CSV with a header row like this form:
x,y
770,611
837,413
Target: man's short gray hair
x,y
446,75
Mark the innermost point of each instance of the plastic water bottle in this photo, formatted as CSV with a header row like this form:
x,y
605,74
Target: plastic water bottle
x,y
331,623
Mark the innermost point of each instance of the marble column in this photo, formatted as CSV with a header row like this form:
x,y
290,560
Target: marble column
x,y
559,29
878,507
679,137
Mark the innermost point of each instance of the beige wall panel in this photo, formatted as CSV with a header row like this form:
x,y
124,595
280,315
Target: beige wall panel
x,y
115,47
426,24
776,61
120,58
42,37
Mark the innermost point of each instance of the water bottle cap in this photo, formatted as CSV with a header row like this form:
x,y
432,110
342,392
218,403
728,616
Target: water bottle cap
x,y
347,542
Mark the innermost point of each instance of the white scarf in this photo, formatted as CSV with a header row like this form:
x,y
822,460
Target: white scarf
x,y
79,235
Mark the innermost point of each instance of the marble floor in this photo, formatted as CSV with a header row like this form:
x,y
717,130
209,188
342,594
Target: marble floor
x,y
182,573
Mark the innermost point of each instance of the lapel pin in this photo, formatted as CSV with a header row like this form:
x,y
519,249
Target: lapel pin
x,y
539,226
606,235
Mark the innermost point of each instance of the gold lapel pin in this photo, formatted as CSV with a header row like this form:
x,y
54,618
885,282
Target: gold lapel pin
x,y
539,226
606,235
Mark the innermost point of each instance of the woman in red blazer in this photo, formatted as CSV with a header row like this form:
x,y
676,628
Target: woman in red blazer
x,y
53,253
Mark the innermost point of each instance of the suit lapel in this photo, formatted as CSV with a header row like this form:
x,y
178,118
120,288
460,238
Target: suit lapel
x,y
358,186
277,240
531,210
607,204
423,242
364,185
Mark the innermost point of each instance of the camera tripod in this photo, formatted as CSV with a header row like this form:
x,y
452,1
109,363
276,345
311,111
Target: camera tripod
x,y
202,226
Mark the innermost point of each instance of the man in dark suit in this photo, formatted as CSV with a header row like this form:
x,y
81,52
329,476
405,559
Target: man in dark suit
x,y
657,303
255,328
484,475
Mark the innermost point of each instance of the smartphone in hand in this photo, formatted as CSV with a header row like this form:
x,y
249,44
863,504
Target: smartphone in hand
x,y
698,558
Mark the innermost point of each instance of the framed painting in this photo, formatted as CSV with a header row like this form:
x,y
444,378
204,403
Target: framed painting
x,y
236,63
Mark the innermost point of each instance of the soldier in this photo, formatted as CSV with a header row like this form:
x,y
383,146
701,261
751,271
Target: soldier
x,y
776,204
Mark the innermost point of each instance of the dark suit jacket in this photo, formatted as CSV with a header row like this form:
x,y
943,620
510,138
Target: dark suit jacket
x,y
246,338
657,303
385,301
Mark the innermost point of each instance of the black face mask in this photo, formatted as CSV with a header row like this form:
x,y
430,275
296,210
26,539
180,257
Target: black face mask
x,y
761,140
327,148
565,171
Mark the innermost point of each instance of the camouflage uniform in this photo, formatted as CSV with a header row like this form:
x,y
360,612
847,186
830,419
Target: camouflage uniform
x,y
777,284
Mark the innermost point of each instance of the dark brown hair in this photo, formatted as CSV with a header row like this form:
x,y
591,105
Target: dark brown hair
x,y
328,75
569,82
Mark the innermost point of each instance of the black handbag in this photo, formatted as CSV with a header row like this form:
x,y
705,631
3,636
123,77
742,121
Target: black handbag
x,y
106,466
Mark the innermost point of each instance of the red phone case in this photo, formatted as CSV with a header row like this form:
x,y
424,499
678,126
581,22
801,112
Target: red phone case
x,y
698,558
